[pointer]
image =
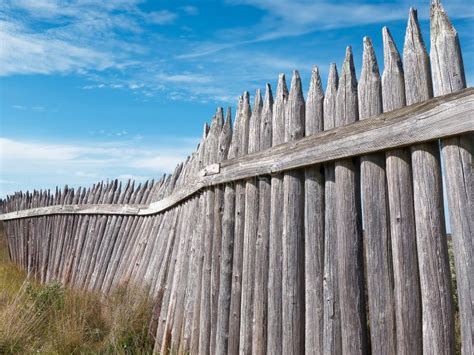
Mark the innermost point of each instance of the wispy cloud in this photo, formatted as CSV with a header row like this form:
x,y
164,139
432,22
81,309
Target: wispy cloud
x,y
84,163
24,52
184,78
292,18
190,10
163,17
117,45
53,36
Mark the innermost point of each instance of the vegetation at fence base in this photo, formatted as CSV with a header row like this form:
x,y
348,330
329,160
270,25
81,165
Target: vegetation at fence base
x,y
52,319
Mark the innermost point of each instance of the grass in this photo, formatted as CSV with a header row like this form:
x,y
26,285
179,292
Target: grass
x,y
51,319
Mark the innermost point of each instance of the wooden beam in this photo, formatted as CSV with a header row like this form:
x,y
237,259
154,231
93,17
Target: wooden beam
x,y
443,116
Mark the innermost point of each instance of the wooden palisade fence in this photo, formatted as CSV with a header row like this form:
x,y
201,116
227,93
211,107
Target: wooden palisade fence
x,y
309,226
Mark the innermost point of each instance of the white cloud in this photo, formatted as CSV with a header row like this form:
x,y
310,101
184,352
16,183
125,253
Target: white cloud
x,y
30,165
190,10
57,36
183,78
30,53
163,17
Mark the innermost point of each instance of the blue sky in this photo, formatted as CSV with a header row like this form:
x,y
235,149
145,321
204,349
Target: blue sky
x,y
91,90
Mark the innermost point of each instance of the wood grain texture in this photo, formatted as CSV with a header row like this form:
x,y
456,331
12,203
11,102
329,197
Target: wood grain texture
x,y
348,224
250,232
260,306
437,315
407,301
457,153
314,226
208,239
376,216
444,116
274,332
331,312
225,277
239,147
223,143
293,231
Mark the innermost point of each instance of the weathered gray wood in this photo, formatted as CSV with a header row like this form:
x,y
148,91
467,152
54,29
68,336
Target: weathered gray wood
x,y
314,226
260,306
159,288
293,232
348,224
407,302
457,153
241,146
228,225
208,239
332,314
223,141
234,307
188,222
225,276
376,216
176,284
274,332
162,337
436,118
437,312
194,332
250,232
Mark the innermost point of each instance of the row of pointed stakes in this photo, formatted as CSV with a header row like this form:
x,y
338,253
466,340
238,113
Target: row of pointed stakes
x,y
223,280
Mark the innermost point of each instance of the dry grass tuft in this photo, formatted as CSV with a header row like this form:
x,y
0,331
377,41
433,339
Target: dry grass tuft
x,y
52,319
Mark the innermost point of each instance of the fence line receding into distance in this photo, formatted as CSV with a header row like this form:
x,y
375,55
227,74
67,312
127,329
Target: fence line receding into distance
x,y
308,226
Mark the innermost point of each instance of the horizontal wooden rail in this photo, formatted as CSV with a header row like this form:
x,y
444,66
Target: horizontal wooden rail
x,y
444,116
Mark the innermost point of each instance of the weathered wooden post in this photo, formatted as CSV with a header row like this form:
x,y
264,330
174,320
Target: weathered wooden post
x,y
260,307
348,224
225,271
448,76
240,148
223,141
208,236
293,231
375,215
250,235
274,341
228,224
437,311
314,225
332,313
407,300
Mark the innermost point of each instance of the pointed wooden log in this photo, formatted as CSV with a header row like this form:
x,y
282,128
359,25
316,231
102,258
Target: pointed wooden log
x,y
314,225
332,315
348,224
274,340
293,232
407,302
437,315
260,306
170,343
208,239
457,154
376,216
241,131
221,154
225,270
250,234
193,334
